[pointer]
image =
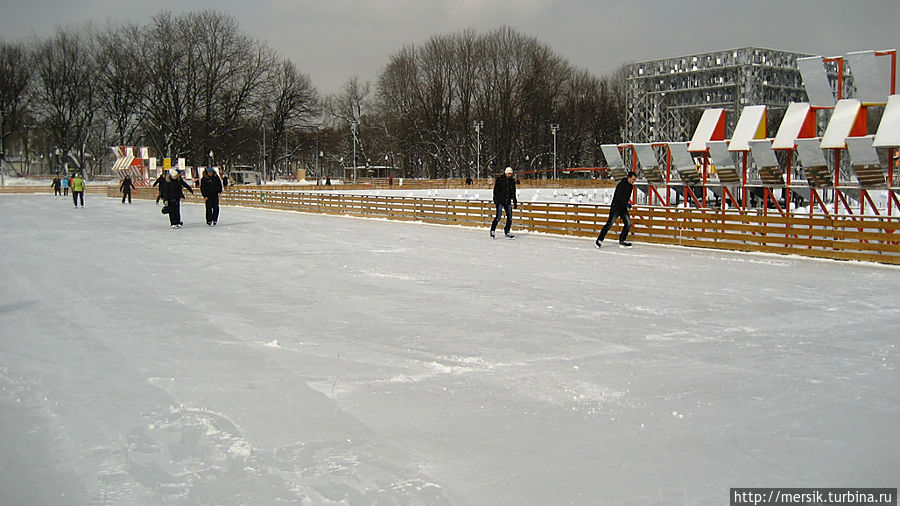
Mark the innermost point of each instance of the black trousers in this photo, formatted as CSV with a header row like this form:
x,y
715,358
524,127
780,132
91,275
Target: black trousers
x,y
212,209
613,215
174,211
126,194
76,196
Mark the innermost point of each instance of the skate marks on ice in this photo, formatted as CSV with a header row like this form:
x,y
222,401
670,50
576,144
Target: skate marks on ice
x,y
34,468
192,455
556,381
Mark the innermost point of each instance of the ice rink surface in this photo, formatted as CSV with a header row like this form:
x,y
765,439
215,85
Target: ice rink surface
x,y
294,358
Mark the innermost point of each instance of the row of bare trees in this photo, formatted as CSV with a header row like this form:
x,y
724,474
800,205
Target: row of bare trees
x,y
422,115
196,86
192,86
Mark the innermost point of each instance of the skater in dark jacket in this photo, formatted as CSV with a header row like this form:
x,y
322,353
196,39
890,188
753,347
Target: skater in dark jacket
x,y
210,188
126,187
505,200
161,182
174,193
618,208
57,187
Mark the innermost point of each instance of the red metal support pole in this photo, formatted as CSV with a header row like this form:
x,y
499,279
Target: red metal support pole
x,y
891,176
837,179
634,169
705,171
668,173
744,184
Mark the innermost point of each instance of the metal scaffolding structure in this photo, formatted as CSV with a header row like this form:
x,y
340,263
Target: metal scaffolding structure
x,y
666,97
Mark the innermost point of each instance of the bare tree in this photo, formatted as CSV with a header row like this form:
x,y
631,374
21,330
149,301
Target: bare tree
x,y
66,69
353,109
230,68
16,70
291,103
170,96
121,83
514,85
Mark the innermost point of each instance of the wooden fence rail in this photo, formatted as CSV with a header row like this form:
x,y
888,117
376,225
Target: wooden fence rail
x,y
869,238
22,190
434,184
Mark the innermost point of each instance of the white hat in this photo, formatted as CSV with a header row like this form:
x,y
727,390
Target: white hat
x,y
173,172
508,170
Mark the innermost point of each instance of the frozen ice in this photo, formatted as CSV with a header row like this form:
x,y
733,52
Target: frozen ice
x,y
312,359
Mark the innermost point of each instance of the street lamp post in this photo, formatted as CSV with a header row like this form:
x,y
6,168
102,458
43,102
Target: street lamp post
x,y
478,124
318,155
353,125
553,128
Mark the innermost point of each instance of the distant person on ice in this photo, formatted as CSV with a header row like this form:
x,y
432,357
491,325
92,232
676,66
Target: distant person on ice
x,y
505,200
210,188
65,186
78,189
126,187
161,182
174,194
57,187
618,208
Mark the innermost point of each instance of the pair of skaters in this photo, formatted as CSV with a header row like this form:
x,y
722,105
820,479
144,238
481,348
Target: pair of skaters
x,y
171,189
505,200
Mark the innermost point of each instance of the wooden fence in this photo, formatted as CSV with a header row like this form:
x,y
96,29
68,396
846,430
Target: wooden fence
x,y
22,190
435,184
868,238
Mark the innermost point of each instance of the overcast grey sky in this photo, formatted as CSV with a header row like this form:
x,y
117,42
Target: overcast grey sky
x,y
333,40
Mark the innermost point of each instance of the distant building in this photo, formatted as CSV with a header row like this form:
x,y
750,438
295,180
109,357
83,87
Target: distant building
x,y
665,98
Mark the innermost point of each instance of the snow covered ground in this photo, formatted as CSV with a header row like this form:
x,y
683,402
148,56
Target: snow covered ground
x,y
294,358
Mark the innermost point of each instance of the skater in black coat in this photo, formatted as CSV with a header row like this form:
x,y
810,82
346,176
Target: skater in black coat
x,y
161,182
174,193
210,188
505,200
618,208
126,187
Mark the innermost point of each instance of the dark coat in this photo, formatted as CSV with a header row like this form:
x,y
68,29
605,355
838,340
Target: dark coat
x,y
161,182
173,188
210,186
505,191
622,195
126,185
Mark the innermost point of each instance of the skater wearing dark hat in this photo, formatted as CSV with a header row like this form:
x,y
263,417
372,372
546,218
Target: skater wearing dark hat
x,y
210,188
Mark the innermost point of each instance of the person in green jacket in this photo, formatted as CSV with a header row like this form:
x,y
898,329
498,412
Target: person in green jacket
x,y
78,190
